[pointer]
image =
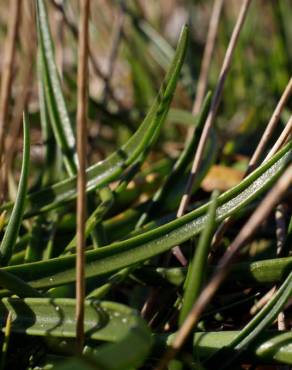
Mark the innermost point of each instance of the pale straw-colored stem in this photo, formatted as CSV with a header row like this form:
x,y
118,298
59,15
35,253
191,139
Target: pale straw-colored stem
x,y
93,61
6,82
281,140
210,119
270,128
82,79
253,163
207,56
214,107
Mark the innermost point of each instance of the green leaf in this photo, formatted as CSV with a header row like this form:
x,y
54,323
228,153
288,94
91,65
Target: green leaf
x,y
112,167
257,325
249,273
104,321
269,346
181,117
179,167
160,48
16,285
53,93
50,171
12,229
151,243
198,266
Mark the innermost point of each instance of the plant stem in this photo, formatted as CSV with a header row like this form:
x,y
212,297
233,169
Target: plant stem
x,y
270,128
214,107
81,177
207,57
6,81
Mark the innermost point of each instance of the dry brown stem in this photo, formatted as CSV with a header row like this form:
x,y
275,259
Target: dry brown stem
x,y
82,79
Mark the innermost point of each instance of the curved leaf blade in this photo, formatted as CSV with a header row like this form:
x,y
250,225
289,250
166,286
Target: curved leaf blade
x,y
268,347
142,247
256,326
198,266
53,93
112,167
11,232
266,271
104,321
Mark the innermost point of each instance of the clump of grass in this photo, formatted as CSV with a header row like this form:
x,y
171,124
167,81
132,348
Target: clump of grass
x,y
122,296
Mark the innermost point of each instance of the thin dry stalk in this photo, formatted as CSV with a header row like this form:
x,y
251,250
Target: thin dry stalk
x,y
281,236
207,57
117,37
253,163
210,119
94,63
281,233
82,79
270,128
264,300
28,44
281,322
281,227
281,140
264,209
201,89
9,52
20,104
214,107
6,341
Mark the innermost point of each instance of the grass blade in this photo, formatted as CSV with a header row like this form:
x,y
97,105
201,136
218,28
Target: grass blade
x,y
266,271
11,232
112,167
198,266
104,321
178,168
54,97
269,346
257,325
142,247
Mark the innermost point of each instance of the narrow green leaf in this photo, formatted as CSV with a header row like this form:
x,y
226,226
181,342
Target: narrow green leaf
x,y
198,266
112,167
96,216
151,243
16,285
104,321
181,117
120,355
50,170
179,166
160,48
53,93
5,342
257,325
11,232
249,273
269,346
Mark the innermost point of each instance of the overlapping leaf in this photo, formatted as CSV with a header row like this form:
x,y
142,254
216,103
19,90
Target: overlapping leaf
x,y
53,93
104,321
112,167
142,247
